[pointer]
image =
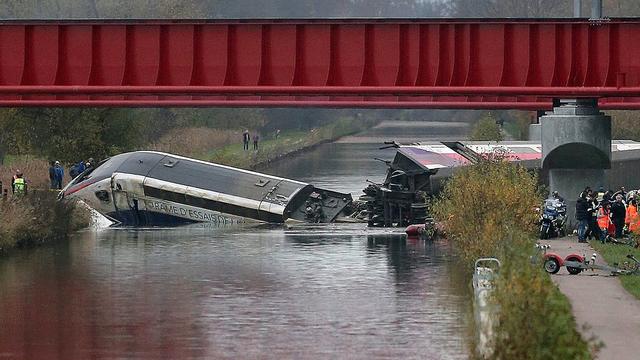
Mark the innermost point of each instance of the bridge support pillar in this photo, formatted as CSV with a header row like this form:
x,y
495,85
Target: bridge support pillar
x,y
576,149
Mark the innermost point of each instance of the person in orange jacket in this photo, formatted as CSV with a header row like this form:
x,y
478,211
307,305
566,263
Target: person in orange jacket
x,y
604,220
632,219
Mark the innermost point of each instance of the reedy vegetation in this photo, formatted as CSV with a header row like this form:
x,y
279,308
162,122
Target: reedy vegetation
x,y
488,210
38,218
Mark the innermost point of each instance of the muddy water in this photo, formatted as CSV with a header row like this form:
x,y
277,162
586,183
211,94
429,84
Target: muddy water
x,y
336,291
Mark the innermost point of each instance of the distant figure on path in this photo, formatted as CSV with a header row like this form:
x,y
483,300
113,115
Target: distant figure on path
x,y
256,139
277,134
59,177
52,175
245,139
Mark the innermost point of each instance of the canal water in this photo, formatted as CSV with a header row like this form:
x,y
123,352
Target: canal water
x,y
339,291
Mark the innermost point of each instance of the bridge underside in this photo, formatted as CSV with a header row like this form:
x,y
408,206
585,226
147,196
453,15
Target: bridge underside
x,y
451,63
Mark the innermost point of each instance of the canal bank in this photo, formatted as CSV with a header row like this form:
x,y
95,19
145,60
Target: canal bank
x,y
286,144
319,291
37,218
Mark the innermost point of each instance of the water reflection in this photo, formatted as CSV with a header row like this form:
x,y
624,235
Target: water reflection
x,y
268,293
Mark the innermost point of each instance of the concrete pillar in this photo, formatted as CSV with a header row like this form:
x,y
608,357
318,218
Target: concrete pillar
x,y
535,132
576,149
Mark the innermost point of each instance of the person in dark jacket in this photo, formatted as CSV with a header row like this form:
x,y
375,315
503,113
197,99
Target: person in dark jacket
x,y
593,231
256,139
245,140
59,175
52,175
582,216
618,214
80,167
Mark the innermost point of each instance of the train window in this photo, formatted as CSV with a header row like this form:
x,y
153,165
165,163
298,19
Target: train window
x,y
102,195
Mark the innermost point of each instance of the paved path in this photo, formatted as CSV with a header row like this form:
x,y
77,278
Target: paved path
x,y
601,303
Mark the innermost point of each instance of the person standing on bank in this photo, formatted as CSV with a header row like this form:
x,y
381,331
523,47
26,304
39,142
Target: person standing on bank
x,y
18,184
59,176
52,175
582,216
604,220
618,214
245,140
256,139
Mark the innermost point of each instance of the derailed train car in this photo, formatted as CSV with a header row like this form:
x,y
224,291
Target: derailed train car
x,y
146,188
419,170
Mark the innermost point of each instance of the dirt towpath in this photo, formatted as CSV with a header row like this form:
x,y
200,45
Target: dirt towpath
x,y
601,303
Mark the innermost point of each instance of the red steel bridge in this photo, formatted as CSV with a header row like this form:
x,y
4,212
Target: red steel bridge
x,y
379,63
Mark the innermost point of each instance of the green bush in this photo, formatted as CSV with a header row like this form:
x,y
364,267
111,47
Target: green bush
x,y
482,205
488,210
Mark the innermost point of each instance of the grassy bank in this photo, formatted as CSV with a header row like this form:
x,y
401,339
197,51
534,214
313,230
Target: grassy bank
x,y
288,142
613,253
38,218
487,210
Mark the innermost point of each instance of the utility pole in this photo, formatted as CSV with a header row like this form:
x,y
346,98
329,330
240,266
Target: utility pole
x,y
596,9
577,8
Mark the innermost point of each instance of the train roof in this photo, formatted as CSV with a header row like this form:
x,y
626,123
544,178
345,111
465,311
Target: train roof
x,y
432,156
200,174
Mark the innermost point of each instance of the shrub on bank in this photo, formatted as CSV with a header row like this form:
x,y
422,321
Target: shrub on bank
x,y
38,218
483,205
488,210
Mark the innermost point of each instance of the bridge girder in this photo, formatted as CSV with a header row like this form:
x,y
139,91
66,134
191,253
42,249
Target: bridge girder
x,y
391,63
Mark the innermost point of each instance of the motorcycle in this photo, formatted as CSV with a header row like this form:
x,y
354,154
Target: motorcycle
x,y
553,219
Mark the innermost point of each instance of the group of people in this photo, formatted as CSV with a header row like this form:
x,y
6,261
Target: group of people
x,y
56,175
246,139
56,172
605,214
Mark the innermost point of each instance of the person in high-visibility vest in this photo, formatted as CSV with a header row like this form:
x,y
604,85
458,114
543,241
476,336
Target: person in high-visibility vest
x,y
633,219
19,184
604,220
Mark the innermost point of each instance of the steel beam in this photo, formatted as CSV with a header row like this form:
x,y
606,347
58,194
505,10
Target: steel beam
x,y
282,103
487,61
260,90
